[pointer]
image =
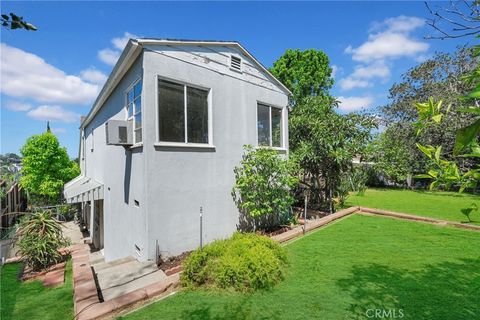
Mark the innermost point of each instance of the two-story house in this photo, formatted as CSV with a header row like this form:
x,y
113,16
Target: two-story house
x,y
162,139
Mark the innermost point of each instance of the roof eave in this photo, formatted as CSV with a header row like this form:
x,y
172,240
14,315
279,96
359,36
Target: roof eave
x,y
126,59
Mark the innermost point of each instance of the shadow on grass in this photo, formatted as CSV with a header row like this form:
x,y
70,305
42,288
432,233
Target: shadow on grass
x,y
447,290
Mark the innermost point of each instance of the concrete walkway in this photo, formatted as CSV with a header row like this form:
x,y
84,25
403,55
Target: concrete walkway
x,y
123,276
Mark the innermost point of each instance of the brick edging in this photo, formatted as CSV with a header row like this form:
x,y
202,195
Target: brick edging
x,y
407,216
312,225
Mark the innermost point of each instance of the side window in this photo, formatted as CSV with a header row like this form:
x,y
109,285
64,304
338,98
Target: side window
x,y
134,110
183,113
269,126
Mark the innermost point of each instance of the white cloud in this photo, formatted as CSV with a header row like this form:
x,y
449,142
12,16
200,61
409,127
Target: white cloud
x,y
387,45
26,75
398,24
121,42
349,104
375,70
94,76
58,130
53,113
361,76
18,106
393,41
349,83
110,56
335,70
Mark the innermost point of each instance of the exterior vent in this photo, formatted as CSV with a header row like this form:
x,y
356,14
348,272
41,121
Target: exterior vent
x,y
119,132
235,63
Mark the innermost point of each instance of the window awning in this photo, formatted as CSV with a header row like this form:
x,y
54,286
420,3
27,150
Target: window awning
x,y
82,189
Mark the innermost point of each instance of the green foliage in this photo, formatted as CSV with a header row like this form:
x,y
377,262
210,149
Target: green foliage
x,y
13,22
305,73
39,238
245,262
443,77
262,184
46,167
391,157
324,143
468,211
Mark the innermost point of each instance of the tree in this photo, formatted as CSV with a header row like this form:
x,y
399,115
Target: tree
x,y
305,73
46,167
13,22
263,182
324,143
460,17
391,157
440,77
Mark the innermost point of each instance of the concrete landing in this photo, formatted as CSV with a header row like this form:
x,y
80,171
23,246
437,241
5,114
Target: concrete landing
x,y
125,275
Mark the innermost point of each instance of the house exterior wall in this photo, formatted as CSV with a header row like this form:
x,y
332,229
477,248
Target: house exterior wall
x,y
170,184
181,180
121,171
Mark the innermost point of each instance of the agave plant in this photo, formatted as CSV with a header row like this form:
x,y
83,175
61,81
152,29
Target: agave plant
x,y
39,236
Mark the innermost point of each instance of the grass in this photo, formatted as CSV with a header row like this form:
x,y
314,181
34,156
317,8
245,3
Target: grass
x,y
31,300
356,264
441,205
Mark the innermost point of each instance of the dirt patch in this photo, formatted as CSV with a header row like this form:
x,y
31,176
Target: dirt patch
x,y
172,262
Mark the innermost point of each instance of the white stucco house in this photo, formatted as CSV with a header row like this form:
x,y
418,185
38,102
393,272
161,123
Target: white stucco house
x,y
162,140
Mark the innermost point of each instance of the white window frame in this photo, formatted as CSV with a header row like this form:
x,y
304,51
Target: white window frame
x,y
185,84
282,126
132,118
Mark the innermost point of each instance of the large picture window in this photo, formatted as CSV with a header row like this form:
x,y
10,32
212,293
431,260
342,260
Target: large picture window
x,y
134,110
269,126
182,113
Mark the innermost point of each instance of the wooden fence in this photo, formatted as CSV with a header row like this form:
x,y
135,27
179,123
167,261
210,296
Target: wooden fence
x,y
12,205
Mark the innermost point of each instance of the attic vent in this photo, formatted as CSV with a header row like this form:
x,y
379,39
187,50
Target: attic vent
x,y
235,63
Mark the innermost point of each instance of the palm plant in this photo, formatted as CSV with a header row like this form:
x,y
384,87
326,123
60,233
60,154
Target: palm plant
x,y
39,239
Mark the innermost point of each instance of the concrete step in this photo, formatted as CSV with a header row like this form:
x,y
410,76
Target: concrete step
x,y
141,282
105,265
123,273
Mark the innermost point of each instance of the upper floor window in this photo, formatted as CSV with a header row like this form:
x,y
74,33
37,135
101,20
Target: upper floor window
x,y
182,113
134,110
269,126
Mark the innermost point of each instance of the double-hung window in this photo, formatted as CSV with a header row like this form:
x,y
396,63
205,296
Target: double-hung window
x,y
269,126
182,113
134,110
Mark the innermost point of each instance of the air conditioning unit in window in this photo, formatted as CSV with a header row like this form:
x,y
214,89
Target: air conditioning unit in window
x,y
119,132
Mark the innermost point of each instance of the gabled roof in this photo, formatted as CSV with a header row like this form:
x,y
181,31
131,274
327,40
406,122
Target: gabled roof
x,y
134,48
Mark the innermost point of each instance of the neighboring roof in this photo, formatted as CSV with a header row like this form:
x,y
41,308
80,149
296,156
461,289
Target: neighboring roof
x,y
133,49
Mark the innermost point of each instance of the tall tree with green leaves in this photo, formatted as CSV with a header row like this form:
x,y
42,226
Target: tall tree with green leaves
x,y
305,73
324,143
46,167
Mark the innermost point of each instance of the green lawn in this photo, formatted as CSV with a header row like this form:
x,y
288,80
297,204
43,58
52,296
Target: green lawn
x,y
441,205
31,300
356,264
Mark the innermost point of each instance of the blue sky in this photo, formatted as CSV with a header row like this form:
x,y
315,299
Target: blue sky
x,y
55,73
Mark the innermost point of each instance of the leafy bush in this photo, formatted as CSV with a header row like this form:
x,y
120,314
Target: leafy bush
x,y
39,238
262,186
245,262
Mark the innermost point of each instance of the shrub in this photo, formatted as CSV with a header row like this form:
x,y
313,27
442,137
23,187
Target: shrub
x,y
245,262
262,187
39,238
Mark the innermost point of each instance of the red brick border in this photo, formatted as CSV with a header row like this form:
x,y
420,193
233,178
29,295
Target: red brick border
x,y
312,225
405,216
